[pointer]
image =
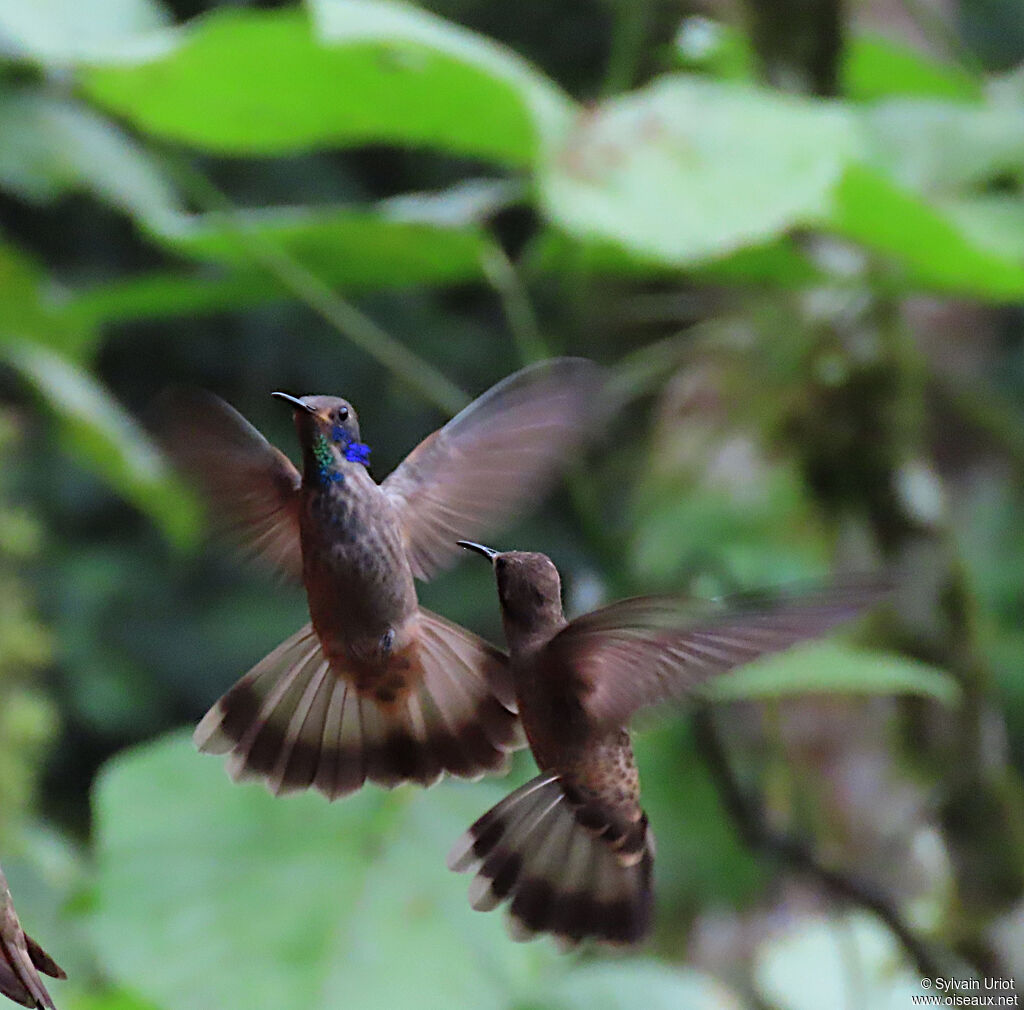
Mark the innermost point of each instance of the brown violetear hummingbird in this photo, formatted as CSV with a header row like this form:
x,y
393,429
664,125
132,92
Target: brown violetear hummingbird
x,y
21,958
571,850
375,687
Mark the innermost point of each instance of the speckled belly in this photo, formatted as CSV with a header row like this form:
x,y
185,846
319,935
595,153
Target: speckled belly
x,y
362,600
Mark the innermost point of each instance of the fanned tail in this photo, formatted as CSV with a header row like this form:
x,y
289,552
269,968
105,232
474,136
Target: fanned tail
x,y
558,875
297,721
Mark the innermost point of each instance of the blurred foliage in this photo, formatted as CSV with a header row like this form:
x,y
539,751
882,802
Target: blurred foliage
x,y
812,308
27,717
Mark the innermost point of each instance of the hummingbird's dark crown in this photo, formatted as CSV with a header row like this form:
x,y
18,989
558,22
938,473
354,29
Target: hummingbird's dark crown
x,y
529,587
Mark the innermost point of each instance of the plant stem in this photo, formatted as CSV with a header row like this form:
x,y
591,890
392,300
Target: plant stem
x,y
749,818
353,324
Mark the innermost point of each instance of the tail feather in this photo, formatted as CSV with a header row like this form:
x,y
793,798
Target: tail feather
x,y
20,964
558,875
296,721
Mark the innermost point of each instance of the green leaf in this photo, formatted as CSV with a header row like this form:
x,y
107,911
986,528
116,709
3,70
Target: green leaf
x,y
370,72
934,147
418,239
53,146
689,170
701,859
31,306
995,222
60,32
100,433
166,293
391,244
875,67
929,249
214,894
833,668
777,262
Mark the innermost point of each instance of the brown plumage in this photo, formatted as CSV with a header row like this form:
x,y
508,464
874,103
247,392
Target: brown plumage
x,y
21,958
375,688
571,851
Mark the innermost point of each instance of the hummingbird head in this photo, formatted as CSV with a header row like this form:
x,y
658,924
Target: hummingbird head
x,y
328,428
529,590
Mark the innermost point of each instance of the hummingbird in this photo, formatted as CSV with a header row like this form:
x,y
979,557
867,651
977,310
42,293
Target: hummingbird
x,y
571,851
376,688
21,958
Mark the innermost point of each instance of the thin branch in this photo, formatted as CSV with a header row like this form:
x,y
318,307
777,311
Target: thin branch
x,y
749,818
350,322
522,322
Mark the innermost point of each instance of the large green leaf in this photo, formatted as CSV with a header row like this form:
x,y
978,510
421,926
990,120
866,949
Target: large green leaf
x,y
777,262
370,71
928,248
993,221
52,145
689,170
935,147
213,894
875,67
36,309
418,239
62,31
832,668
408,240
166,293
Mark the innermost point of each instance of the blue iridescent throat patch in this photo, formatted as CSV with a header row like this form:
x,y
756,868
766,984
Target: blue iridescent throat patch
x,y
354,452
358,452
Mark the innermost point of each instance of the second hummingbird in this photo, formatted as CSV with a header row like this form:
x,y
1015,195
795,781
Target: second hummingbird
x,y
572,850
375,687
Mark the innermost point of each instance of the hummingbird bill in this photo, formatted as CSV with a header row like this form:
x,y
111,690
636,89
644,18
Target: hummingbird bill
x,y
376,688
22,959
571,851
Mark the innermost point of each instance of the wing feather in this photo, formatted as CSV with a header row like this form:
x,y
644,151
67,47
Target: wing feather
x,y
252,488
468,478
647,650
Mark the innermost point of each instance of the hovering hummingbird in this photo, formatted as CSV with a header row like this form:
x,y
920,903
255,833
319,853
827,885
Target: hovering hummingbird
x,y
572,850
375,687
21,958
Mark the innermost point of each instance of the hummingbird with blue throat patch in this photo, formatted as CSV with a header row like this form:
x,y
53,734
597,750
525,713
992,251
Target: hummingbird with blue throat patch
x,y
376,688
22,959
571,851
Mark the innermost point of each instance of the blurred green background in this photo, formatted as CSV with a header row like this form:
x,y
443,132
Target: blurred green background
x,y
794,229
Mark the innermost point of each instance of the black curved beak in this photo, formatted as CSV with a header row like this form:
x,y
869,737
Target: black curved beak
x,y
294,401
488,552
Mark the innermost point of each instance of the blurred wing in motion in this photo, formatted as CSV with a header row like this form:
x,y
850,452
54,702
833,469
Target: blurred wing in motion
x,y
21,959
647,650
251,487
498,454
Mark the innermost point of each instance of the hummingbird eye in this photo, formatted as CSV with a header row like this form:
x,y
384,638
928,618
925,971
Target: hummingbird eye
x,y
343,413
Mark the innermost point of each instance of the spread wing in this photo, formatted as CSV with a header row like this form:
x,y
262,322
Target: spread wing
x,y
647,650
251,488
500,453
